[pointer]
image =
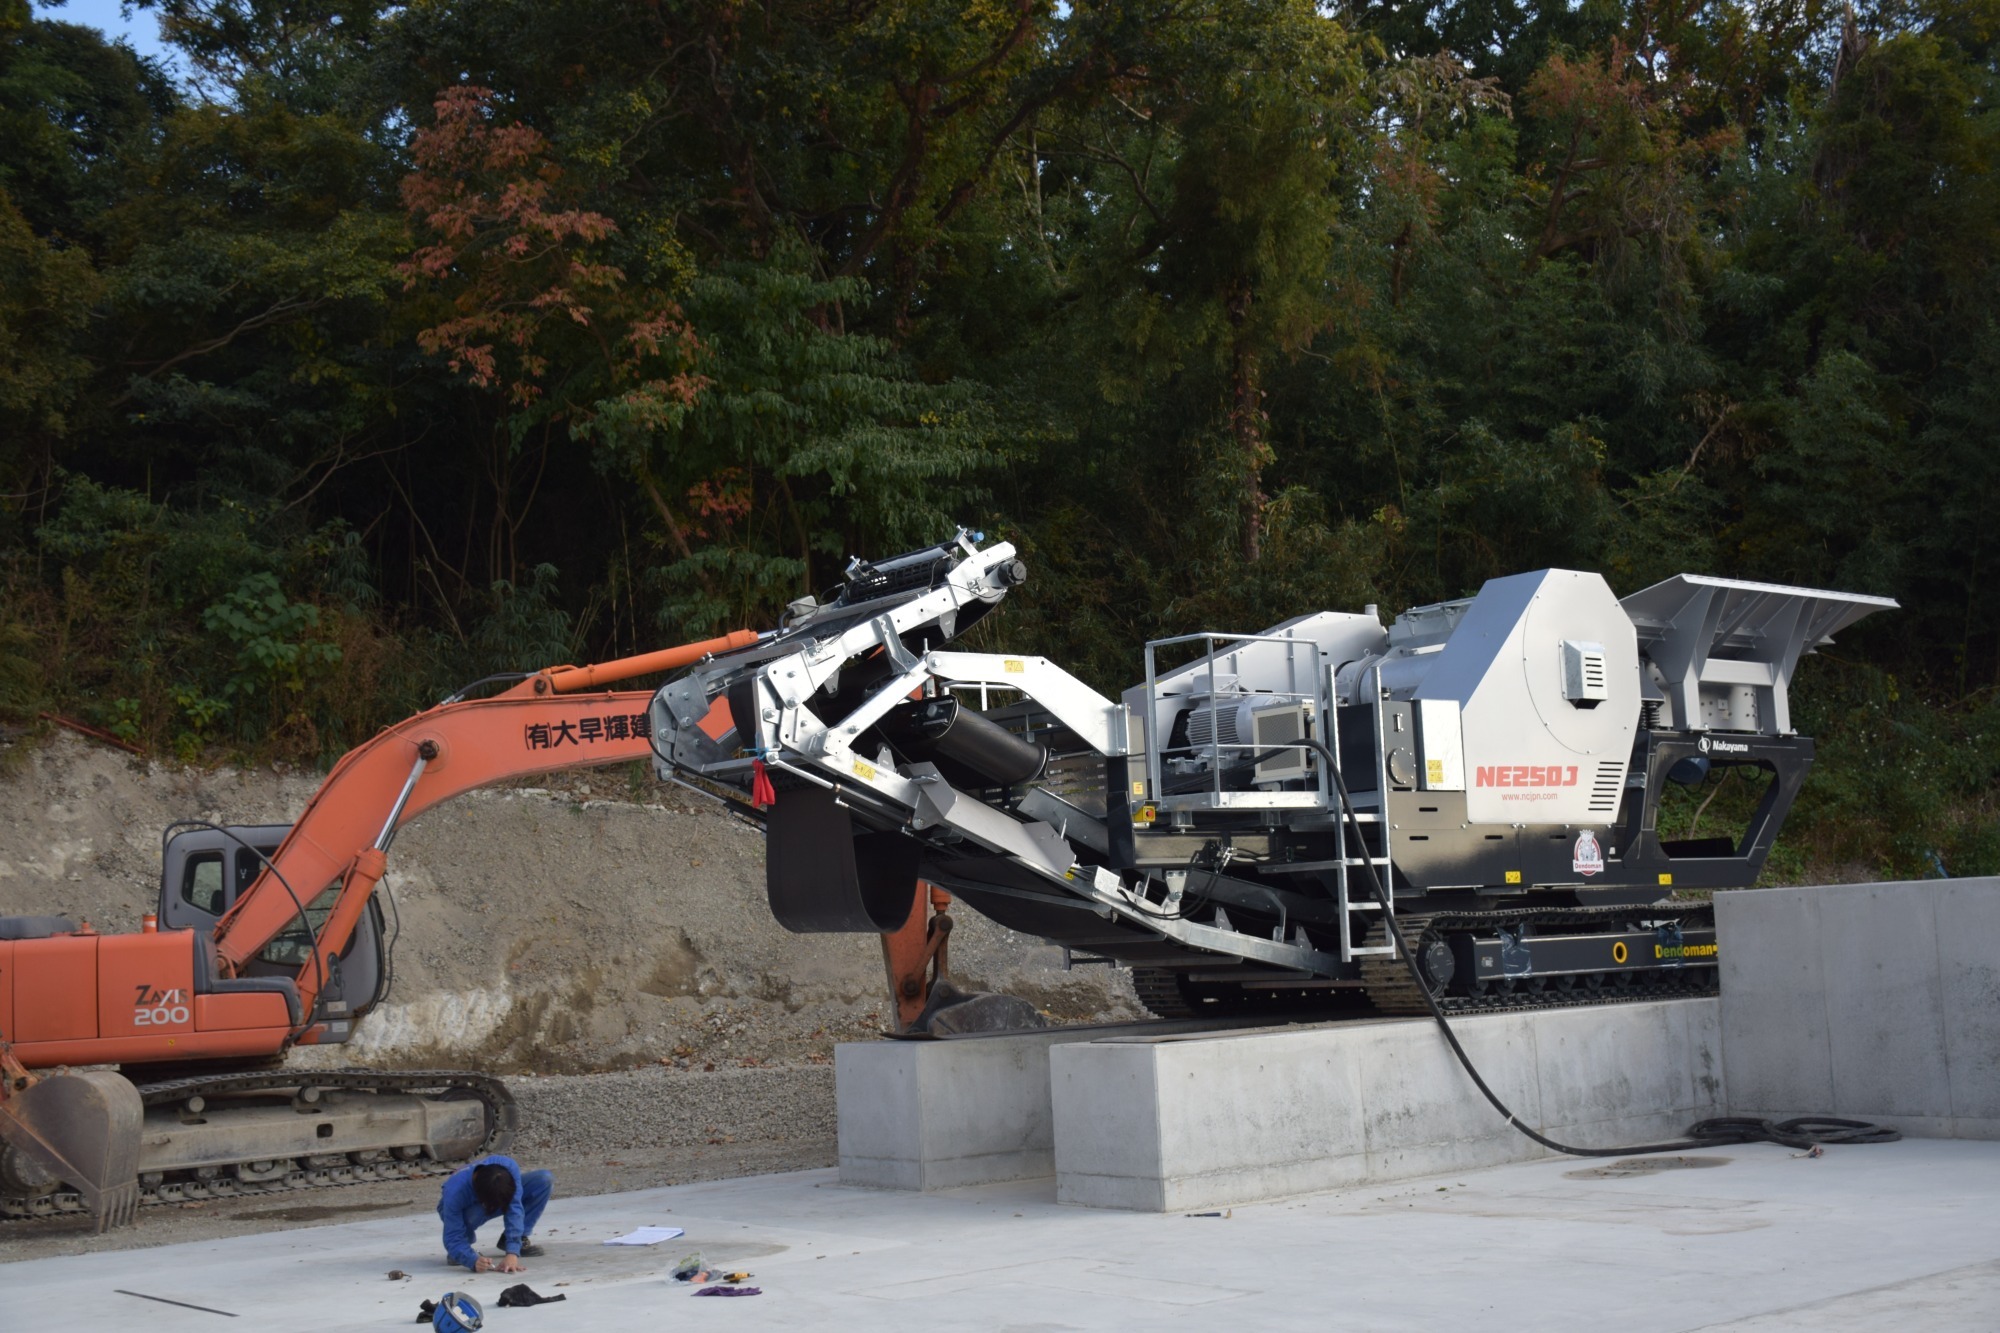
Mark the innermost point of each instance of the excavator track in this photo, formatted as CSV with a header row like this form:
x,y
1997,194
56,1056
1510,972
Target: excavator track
x,y
1159,990
309,1172
1389,986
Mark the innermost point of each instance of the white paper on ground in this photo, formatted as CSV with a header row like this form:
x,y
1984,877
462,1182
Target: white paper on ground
x,y
646,1236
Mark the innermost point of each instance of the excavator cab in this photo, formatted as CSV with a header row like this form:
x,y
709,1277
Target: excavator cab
x,y
202,873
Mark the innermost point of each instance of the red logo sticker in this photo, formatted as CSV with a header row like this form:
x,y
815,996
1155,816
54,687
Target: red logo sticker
x,y
1525,775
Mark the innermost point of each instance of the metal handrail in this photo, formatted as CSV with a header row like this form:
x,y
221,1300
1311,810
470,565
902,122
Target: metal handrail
x,y
1155,747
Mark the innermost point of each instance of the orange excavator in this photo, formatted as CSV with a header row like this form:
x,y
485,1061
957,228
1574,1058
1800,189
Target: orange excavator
x,y
270,937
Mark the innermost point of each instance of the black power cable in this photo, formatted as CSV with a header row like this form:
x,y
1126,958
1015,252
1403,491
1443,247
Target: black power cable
x,y
389,948
510,677
1805,1132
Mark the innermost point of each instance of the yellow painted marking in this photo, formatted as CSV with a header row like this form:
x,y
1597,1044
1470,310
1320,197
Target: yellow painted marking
x,y
1666,879
1434,771
1014,665
1513,877
1684,951
862,770
1619,953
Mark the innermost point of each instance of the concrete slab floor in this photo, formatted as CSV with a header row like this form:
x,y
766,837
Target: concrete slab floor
x,y
1890,1236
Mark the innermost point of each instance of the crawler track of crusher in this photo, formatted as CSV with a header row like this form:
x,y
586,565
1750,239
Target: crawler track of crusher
x,y
1466,937
1616,934
1169,993
177,1161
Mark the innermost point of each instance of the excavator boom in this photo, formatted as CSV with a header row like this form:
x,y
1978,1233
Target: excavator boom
x,y
539,726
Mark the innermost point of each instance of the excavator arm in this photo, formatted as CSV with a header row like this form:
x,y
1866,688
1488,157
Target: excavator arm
x,y
343,835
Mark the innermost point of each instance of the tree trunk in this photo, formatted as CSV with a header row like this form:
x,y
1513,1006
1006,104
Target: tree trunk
x,y
1246,423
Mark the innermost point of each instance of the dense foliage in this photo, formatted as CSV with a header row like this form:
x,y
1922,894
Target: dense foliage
x,y
394,344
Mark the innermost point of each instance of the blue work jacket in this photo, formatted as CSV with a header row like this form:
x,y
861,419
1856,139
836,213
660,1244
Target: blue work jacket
x,y
464,1214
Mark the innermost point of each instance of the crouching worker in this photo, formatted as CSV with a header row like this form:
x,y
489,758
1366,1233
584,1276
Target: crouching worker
x,y
494,1187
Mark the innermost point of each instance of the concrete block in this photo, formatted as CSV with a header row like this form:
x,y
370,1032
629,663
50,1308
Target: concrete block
x,y
1776,1051
932,1115
1106,1115
1872,1001
927,1115
880,1134
1293,1095
1884,1013
1968,932
1705,1041
1603,1072
1421,1112
1189,1123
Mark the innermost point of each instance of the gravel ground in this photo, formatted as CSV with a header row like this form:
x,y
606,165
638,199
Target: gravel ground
x,y
599,1133
577,1116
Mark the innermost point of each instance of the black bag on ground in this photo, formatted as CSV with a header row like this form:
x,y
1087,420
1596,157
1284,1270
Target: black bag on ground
x,y
521,1294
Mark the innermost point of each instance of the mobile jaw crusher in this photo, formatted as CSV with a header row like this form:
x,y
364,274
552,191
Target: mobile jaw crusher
x,y
1504,759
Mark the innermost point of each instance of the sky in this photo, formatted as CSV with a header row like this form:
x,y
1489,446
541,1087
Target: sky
x,y
142,29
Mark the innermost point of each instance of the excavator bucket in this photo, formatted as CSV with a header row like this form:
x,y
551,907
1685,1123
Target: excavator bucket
x,y
83,1130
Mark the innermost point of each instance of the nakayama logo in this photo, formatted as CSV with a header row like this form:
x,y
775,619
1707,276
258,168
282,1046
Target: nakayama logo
x,y
1722,747
1525,775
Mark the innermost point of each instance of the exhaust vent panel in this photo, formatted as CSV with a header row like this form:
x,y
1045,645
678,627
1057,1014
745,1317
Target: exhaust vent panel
x,y
1605,788
1586,678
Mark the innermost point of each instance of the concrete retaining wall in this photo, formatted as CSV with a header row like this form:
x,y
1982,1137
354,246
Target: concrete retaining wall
x,y
1870,1001
1199,1122
932,1115
926,1115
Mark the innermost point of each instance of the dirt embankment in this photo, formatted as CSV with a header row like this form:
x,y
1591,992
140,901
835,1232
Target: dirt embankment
x,y
542,930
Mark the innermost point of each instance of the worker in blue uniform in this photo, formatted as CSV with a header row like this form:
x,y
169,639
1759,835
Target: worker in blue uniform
x,y
493,1187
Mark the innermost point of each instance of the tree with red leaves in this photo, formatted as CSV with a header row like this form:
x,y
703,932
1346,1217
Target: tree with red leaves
x,y
533,312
